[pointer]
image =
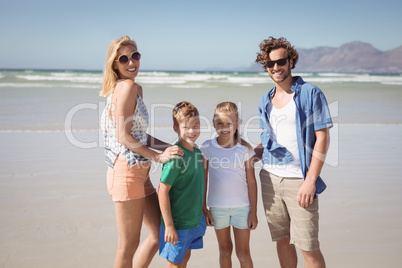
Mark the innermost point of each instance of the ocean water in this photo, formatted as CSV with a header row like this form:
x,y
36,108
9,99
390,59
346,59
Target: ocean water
x,y
34,100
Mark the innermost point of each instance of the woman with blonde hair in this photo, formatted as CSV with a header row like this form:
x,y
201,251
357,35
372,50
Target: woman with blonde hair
x,y
128,154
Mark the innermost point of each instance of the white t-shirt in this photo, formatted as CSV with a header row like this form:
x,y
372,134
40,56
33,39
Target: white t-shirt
x,y
227,184
283,126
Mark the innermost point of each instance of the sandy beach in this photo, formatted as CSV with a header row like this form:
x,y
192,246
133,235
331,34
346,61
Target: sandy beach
x,y
55,210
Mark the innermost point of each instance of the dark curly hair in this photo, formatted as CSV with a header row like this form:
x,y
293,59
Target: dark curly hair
x,y
272,43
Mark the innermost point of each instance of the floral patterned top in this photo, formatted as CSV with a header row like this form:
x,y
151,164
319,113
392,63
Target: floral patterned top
x,y
138,130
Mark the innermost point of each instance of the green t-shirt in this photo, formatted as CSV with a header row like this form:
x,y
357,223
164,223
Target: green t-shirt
x,y
186,176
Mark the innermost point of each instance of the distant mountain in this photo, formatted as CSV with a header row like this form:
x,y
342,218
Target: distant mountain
x,y
356,57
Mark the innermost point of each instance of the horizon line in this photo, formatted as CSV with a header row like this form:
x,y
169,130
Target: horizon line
x,y
197,71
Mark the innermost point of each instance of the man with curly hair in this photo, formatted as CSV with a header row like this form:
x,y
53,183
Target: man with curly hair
x,y
295,119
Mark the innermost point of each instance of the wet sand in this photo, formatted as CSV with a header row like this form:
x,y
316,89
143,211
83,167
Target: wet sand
x,y
56,212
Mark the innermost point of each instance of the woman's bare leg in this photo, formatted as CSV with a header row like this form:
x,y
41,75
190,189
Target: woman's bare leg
x,y
129,215
152,219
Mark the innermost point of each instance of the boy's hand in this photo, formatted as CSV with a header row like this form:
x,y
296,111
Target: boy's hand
x,y
252,221
208,217
171,235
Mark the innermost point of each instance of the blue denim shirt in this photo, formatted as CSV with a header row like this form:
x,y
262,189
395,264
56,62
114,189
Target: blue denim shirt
x,y
312,114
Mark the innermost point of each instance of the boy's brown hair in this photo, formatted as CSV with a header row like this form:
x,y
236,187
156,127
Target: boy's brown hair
x,y
184,111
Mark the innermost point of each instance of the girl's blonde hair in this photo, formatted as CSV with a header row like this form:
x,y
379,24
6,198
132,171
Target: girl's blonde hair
x,y
230,107
110,74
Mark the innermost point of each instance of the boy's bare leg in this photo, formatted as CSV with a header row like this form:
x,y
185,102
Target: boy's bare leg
x,y
180,265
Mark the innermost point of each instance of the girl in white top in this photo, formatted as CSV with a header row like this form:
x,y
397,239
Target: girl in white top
x,y
127,149
232,191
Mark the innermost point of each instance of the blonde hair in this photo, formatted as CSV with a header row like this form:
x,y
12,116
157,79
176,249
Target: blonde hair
x,y
230,107
110,74
184,111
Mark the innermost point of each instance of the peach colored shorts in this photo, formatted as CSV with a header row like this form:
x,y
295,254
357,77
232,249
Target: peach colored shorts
x,y
126,183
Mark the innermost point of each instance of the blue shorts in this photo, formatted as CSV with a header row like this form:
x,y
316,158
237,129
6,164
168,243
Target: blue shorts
x,y
225,217
188,239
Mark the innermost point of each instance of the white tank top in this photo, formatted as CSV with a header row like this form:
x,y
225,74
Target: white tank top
x,y
283,125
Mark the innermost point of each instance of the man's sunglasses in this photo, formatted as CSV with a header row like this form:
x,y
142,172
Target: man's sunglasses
x,y
280,62
123,59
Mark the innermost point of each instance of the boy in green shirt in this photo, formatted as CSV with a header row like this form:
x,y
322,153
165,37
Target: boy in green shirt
x,y
181,192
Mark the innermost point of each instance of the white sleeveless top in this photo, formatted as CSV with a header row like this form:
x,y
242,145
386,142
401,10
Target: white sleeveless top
x,y
283,124
138,130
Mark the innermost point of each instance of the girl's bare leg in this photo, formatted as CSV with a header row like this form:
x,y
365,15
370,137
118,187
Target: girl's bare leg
x,y
242,243
225,247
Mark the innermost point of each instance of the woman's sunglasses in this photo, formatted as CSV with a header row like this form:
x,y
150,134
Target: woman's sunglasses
x,y
280,62
123,59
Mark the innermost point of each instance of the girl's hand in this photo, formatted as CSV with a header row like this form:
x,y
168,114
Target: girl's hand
x,y
171,235
208,217
170,153
252,221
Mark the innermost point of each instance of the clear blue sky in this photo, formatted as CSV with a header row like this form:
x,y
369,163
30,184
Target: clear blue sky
x,y
184,35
